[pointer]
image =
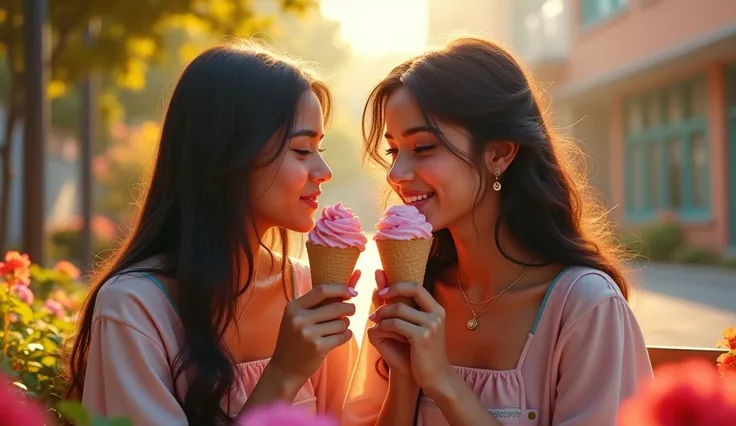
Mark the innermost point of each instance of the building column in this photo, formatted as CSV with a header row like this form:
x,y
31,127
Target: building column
x,y
718,153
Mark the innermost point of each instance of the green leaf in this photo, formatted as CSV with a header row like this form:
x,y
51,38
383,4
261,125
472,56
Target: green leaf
x,y
24,311
74,411
33,366
49,361
120,421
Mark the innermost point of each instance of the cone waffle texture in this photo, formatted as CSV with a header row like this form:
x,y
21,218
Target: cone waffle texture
x,y
404,260
331,265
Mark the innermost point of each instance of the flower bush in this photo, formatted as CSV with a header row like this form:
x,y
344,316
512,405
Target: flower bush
x,y
37,309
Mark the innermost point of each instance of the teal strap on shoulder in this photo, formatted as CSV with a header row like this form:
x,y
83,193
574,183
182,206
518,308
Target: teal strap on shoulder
x,y
546,298
162,288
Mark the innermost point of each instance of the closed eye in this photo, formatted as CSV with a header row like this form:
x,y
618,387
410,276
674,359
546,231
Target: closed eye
x,y
307,152
425,148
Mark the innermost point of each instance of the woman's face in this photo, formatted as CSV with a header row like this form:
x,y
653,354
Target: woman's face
x,y
285,192
424,173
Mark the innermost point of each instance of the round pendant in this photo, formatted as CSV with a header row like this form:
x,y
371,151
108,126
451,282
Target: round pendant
x,y
497,186
472,324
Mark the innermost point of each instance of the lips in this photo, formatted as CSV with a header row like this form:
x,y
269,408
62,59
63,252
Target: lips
x,y
311,199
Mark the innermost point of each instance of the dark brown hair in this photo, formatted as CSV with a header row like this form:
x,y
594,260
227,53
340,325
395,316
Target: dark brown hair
x,y
546,204
197,214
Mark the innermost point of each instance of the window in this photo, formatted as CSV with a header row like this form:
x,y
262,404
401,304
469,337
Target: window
x,y
593,11
667,159
674,172
698,156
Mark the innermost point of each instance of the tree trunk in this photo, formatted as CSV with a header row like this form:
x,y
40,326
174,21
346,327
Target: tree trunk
x,y
6,156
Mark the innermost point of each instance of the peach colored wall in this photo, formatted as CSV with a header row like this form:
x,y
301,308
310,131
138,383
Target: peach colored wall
x,y
646,27
713,233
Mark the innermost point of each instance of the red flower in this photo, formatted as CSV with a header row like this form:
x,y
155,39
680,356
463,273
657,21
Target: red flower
x,y
15,267
690,393
15,410
727,363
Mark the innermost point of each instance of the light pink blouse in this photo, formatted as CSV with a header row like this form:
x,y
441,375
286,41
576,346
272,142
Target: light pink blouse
x,y
136,336
583,357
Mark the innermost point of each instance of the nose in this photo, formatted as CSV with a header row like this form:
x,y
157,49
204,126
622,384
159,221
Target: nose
x,y
321,172
402,170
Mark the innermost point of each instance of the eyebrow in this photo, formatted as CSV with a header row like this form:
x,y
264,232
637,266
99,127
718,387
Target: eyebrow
x,y
414,130
305,132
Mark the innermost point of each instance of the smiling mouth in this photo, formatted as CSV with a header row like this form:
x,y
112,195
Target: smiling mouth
x,y
418,198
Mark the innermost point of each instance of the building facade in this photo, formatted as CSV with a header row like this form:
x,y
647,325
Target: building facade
x,y
648,87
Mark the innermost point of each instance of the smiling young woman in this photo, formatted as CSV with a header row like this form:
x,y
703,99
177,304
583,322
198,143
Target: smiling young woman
x,y
522,318
195,320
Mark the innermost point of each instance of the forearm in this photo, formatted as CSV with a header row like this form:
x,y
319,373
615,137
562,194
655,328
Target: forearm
x,y
274,385
458,403
401,398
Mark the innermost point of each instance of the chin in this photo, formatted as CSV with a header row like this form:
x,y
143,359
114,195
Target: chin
x,y
301,226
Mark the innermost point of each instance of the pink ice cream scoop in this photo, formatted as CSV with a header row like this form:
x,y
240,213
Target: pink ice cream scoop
x,y
338,227
402,222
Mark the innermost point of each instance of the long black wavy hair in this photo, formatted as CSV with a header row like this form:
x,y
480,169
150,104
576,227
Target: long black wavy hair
x,y
197,214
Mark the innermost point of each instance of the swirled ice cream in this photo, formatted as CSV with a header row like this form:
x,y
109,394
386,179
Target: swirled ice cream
x,y
402,222
334,245
338,227
404,239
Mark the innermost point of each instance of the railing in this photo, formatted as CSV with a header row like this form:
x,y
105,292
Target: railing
x,y
660,355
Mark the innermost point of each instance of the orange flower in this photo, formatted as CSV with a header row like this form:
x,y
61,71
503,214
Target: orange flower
x,y
729,339
727,363
68,268
15,267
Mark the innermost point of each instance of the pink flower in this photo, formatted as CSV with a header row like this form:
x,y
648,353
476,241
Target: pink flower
x,y
14,410
689,393
280,414
54,307
23,292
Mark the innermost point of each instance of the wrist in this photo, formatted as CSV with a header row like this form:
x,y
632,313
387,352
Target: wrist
x,y
402,383
444,386
285,384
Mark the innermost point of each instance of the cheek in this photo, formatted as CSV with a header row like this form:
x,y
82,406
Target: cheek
x,y
442,174
278,184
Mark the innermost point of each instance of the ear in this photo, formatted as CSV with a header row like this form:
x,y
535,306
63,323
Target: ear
x,y
500,154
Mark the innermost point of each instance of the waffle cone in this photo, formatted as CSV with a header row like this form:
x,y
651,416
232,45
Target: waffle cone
x,y
331,265
404,260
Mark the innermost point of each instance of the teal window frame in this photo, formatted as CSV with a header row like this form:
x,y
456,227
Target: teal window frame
x,y
591,12
731,143
654,140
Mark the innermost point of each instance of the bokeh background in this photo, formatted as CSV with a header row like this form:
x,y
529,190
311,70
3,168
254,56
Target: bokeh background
x,y
647,88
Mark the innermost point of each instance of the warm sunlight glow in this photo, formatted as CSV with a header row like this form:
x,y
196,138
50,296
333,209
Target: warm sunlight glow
x,y
377,27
